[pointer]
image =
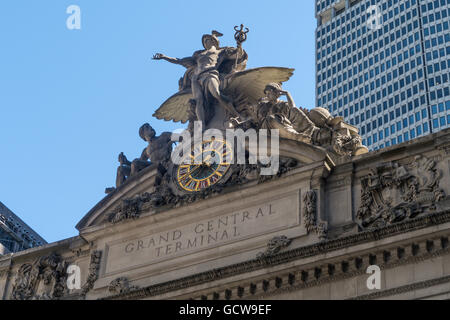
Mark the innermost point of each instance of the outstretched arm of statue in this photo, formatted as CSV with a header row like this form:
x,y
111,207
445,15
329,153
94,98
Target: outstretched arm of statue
x,y
185,62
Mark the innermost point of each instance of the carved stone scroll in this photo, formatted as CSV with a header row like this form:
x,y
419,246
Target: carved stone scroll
x,y
311,221
94,267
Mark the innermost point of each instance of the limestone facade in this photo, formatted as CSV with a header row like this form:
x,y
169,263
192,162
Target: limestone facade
x,y
310,233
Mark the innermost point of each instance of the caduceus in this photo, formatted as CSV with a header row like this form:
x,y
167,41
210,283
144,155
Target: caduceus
x,y
240,36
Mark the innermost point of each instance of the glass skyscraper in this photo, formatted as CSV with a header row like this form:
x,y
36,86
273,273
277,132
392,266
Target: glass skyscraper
x,y
384,66
16,235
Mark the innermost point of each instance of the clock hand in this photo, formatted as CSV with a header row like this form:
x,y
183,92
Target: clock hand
x,y
206,161
195,170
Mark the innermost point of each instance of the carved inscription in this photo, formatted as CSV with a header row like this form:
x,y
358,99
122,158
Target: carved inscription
x,y
206,234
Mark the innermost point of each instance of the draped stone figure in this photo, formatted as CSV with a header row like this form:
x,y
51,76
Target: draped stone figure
x,y
284,116
316,127
216,79
158,150
206,69
217,91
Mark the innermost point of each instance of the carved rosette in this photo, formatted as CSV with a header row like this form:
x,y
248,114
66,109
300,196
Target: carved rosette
x,y
392,192
49,270
94,268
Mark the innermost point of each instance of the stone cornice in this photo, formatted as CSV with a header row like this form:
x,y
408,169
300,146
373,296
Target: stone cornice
x,y
404,289
356,266
405,149
288,256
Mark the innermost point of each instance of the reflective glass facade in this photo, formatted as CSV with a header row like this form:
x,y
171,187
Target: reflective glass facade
x,y
15,235
384,66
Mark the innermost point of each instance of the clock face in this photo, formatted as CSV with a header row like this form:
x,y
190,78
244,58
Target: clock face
x,y
205,166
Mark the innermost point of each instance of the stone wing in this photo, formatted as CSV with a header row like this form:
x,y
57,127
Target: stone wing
x,y
176,108
249,85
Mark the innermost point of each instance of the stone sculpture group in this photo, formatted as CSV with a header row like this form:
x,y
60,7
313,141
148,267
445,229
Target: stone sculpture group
x,y
219,92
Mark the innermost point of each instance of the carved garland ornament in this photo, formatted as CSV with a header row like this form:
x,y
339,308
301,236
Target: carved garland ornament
x,y
310,215
94,267
392,192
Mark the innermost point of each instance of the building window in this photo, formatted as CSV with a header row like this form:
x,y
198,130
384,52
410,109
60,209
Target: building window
x,y
433,109
435,123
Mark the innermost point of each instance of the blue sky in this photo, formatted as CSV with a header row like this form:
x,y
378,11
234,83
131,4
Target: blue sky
x,y
72,100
